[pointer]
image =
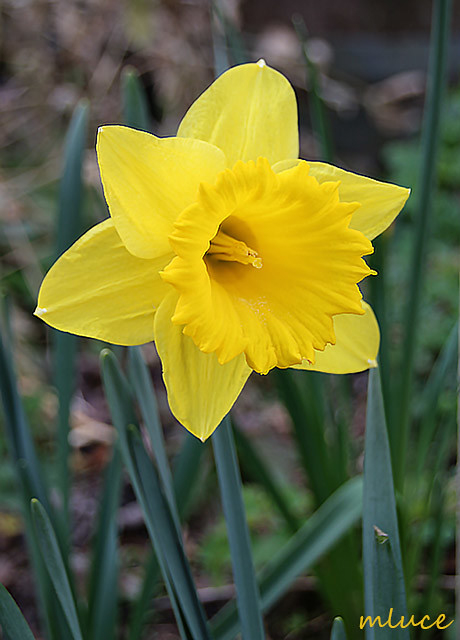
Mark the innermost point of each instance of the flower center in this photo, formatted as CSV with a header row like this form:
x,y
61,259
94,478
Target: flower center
x,y
226,248
278,315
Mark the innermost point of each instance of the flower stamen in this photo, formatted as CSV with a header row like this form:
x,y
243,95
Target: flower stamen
x,y
224,247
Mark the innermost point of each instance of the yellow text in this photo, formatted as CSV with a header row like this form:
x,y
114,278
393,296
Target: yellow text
x,y
424,622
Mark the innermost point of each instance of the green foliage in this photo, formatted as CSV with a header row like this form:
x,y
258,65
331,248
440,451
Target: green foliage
x,y
228,473
12,621
382,562
266,526
294,529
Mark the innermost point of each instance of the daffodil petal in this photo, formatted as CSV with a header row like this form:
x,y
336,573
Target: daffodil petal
x,y
99,290
274,291
148,181
200,390
356,347
380,201
249,111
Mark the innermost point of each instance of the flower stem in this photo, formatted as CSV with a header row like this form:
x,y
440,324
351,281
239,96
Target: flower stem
x,y
247,592
425,190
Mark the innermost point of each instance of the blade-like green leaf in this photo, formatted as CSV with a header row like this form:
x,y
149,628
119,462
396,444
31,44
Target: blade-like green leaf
x,y
318,535
247,593
443,370
49,548
12,621
135,108
161,525
120,401
235,45
21,445
320,123
166,537
141,381
103,592
186,469
69,228
31,482
378,299
255,467
338,630
141,606
425,188
383,573
303,394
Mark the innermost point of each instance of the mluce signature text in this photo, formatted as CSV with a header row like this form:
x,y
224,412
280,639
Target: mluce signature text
x,y
425,622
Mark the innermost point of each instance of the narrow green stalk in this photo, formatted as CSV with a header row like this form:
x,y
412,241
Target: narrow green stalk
x,y
248,598
161,524
304,403
440,375
12,621
438,514
69,228
144,392
103,592
382,562
338,630
135,107
186,468
258,470
323,529
49,547
378,302
320,123
232,40
31,483
140,609
439,463
425,191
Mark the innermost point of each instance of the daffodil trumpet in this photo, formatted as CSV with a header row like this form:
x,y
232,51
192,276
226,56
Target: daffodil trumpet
x,y
228,251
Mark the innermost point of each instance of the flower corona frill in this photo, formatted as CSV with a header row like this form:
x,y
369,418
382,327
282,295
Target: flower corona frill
x,y
263,263
224,248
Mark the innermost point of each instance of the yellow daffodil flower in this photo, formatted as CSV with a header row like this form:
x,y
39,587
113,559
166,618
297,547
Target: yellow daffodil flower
x,y
224,248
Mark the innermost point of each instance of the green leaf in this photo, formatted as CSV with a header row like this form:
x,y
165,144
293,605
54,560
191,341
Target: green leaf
x,y
69,228
140,608
338,630
424,193
318,535
383,573
135,108
256,468
21,445
69,225
234,43
161,524
184,477
442,371
303,396
320,122
187,467
49,548
32,484
247,593
141,381
103,591
12,621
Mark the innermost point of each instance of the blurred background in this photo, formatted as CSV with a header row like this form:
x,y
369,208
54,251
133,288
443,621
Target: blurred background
x,y
371,59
